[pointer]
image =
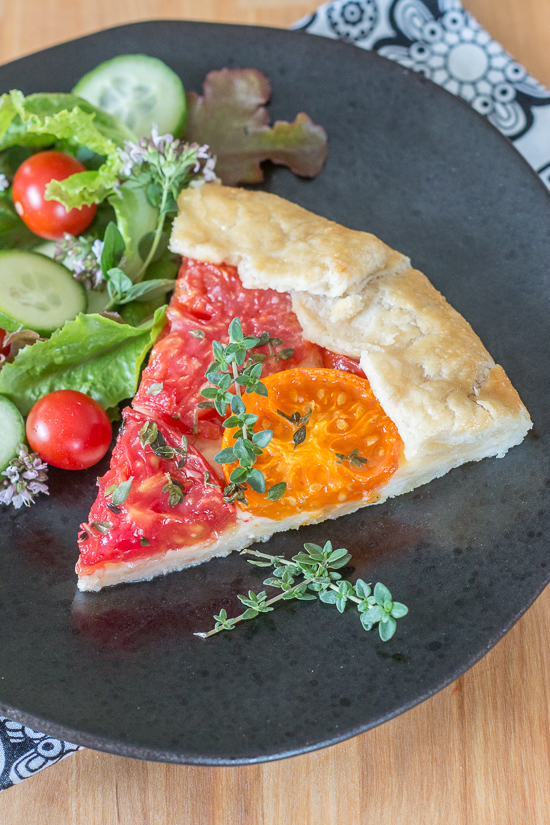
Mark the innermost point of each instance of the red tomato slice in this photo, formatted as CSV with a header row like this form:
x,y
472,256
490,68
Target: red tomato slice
x,y
148,522
205,300
334,361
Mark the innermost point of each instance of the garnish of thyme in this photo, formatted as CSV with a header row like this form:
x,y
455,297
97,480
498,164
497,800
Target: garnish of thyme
x,y
354,458
299,422
238,367
319,580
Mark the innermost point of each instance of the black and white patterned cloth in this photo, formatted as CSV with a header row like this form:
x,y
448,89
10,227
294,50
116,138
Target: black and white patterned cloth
x,y
24,752
444,42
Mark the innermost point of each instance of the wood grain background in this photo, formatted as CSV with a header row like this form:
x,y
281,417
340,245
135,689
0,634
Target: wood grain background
x,y
478,753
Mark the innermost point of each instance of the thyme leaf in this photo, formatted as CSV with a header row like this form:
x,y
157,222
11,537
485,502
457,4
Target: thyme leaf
x,y
119,492
237,367
148,433
175,491
101,526
354,458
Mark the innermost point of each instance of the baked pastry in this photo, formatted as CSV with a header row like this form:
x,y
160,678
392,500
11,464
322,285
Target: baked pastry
x,y
395,386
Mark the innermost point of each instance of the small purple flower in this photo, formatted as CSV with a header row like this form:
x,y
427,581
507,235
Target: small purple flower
x,y
26,476
160,141
83,257
4,182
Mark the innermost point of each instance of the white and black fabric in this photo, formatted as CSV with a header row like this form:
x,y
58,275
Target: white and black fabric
x,y
24,752
444,42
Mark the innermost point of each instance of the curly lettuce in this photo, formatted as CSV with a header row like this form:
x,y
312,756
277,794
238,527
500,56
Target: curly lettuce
x,y
42,119
93,354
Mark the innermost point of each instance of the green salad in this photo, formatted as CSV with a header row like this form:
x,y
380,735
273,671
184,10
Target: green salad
x,y
89,182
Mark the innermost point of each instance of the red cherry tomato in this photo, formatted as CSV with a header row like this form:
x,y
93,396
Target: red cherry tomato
x,y
48,219
69,430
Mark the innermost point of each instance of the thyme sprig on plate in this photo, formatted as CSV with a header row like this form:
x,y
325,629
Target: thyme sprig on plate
x,y
237,367
317,568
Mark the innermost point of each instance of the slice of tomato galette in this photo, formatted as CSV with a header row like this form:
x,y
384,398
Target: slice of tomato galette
x,y
346,380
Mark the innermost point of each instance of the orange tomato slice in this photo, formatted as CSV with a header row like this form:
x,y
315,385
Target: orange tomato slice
x,y
351,448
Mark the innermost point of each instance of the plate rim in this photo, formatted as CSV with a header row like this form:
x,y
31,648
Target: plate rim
x,y
116,746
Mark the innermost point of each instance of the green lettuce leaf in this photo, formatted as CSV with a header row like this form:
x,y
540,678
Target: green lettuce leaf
x,y
92,354
135,218
42,119
13,232
232,119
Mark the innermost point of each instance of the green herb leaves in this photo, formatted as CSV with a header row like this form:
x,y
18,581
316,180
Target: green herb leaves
x,y
317,568
354,458
119,492
174,489
299,421
233,367
148,433
120,287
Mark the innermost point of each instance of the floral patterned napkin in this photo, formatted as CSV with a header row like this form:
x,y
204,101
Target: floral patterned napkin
x,y
444,42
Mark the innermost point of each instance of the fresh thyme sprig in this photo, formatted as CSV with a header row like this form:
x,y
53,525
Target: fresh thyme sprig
x,y
235,366
317,566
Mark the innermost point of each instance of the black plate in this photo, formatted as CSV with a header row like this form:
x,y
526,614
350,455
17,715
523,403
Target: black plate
x,y
120,670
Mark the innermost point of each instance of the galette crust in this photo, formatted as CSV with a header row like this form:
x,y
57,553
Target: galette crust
x,y
425,364
354,295
276,244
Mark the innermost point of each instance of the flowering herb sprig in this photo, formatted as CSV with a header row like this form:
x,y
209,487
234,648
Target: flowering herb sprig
x,y
232,367
319,580
163,166
82,255
25,477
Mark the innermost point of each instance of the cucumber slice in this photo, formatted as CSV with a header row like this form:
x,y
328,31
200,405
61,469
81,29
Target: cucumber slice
x,y
139,90
12,427
37,293
46,248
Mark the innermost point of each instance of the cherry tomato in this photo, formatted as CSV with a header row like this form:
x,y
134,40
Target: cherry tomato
x,y
344,452
46,218
68,429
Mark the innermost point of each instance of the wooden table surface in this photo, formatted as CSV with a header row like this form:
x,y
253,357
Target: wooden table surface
x,y
477,753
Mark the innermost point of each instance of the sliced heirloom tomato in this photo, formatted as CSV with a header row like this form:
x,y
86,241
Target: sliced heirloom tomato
x,y
170,500
335,361
205,300
350,449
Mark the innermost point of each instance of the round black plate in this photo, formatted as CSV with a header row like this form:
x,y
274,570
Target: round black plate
x,y
120,670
